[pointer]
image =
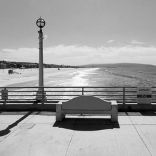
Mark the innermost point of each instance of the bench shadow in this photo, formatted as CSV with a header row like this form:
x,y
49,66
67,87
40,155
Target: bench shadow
x,y
7,130
87,124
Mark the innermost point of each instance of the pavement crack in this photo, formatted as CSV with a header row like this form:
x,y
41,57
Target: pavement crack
x,y
70,139
141,138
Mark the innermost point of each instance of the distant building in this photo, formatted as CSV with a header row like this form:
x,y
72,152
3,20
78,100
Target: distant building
x,y
2,66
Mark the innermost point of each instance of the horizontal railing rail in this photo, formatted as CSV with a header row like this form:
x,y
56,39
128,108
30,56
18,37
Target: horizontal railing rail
x,y
122,95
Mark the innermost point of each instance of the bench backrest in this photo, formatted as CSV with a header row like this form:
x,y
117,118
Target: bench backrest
x,y
86,103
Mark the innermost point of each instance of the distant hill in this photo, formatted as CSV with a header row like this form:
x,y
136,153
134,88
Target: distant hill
x,y
13,64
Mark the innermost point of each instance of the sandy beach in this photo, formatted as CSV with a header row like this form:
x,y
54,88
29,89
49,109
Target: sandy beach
x,y
111,77
52,77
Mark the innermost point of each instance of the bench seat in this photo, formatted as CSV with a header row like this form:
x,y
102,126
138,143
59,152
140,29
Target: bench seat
x,y
87,105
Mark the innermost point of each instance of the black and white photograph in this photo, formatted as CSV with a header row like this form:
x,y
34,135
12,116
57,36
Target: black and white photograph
x,y
77,77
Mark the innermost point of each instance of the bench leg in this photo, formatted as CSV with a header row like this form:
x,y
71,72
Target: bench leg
x,y
114,114
59,115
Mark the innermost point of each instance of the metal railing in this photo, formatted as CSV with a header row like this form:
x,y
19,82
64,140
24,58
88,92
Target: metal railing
x,y
28,95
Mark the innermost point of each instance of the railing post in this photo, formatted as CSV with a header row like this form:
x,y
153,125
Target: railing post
x,y
4,94
82,90
123,95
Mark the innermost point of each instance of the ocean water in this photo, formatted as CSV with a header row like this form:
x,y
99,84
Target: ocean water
x,y
106,77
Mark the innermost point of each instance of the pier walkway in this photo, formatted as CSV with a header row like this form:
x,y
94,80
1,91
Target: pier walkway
x,y
37,134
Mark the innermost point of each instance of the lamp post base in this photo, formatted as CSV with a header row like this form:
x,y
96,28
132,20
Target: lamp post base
x,y
41,95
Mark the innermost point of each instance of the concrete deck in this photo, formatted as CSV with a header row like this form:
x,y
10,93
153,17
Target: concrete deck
x,y
37,134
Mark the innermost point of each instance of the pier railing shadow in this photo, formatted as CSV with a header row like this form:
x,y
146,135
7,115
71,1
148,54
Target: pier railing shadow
x,y
148,113
137,113
86,124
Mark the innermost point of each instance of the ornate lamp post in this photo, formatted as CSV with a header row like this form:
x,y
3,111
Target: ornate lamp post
x,y
40,95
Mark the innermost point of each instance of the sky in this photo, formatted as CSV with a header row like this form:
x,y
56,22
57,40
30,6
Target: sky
x,y
79,31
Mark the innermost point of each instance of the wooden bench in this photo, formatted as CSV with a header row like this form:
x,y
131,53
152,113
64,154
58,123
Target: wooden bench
x,y
87,105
